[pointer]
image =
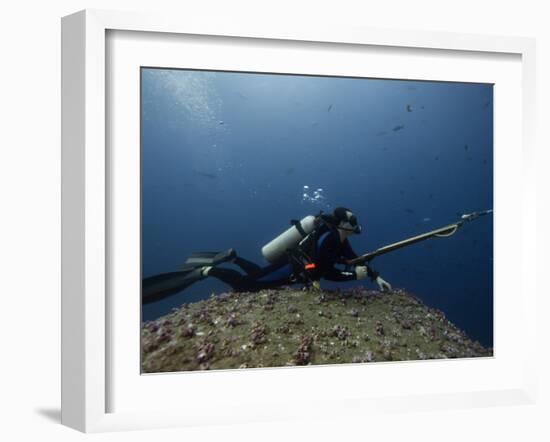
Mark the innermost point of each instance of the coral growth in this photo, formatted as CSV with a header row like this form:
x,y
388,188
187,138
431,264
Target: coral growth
x,y
274,328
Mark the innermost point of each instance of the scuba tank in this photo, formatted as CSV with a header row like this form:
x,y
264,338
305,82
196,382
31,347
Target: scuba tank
x,y
276,250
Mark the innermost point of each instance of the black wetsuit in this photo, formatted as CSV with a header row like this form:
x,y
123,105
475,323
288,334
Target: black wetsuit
x,y
330,250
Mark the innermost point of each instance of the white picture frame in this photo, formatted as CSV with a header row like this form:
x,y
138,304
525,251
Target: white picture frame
x,y
86,207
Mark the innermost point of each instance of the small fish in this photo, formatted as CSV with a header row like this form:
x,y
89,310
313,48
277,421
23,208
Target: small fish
x,y
465,147
436,158
427,219
221,123
409,108
398,127
430,196
329,107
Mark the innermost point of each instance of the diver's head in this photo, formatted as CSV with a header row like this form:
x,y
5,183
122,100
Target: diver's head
x,y
345,221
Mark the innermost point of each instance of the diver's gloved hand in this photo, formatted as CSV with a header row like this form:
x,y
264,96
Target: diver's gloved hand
x,y
382,284
361,271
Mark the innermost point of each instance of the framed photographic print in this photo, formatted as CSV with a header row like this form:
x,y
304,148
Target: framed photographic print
x,y
275,223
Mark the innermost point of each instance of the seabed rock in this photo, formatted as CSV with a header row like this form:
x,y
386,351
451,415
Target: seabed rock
x,y
236,330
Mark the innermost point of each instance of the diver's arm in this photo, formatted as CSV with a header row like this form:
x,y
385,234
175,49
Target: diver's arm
x,y
347,251
328,254
334,274
371,273
348,254
365,271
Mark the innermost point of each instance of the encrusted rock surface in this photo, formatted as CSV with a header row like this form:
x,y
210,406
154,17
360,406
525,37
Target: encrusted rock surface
x,y
275,328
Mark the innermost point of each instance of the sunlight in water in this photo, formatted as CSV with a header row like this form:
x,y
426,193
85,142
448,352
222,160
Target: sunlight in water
x,y
192,99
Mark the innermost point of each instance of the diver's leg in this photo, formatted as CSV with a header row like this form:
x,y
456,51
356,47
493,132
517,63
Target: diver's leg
x,y
231,277
272,276
161,286
249,267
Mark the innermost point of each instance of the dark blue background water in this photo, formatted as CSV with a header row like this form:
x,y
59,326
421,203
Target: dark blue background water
x,y
225,157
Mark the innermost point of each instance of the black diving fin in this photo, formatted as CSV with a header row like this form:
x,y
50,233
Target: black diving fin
x,y
202,259
157,287
161,286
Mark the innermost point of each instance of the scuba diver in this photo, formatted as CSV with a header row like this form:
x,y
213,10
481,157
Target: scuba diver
x,y
304,253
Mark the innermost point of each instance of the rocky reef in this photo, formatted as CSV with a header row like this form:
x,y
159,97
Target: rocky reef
x,y
274,328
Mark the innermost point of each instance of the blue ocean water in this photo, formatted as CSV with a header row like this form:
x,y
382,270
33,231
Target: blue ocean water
x,y
226,158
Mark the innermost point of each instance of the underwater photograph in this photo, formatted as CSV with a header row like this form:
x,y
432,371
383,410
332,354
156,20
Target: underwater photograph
x,y
295,220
